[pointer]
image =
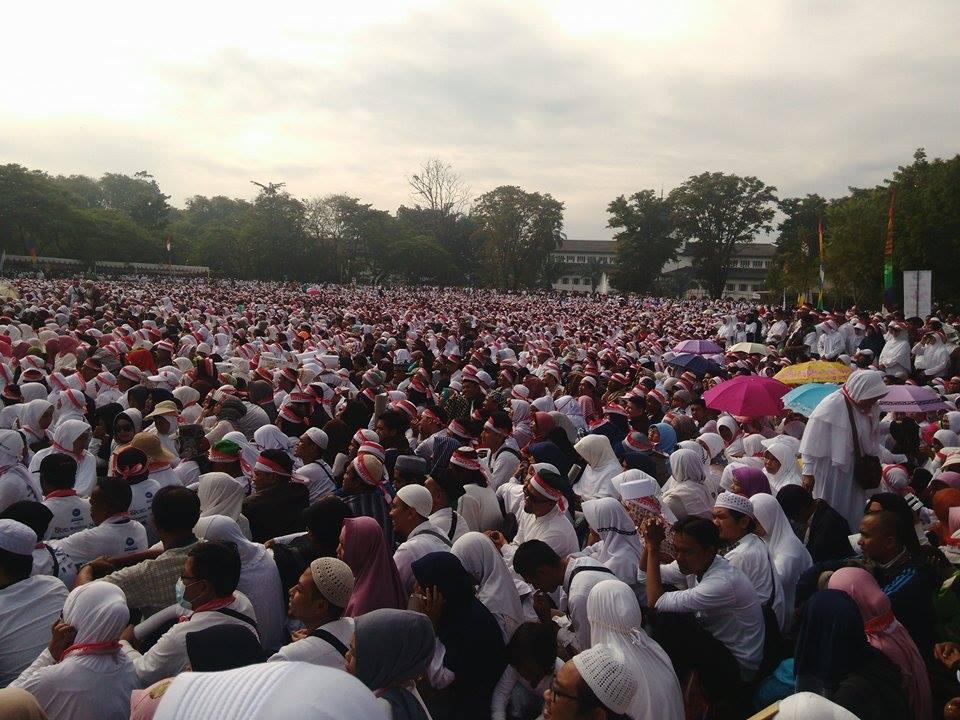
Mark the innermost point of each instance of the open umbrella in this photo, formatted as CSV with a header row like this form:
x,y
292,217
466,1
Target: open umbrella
x,y
698,347
815,371
911,399
804,399
747,396
697,364
750,348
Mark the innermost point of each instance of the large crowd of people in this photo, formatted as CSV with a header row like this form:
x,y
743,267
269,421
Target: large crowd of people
x,y
226,499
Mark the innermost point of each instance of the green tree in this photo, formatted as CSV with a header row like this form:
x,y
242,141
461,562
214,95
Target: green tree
x,y
454,232
519,230
718,214
796,265
275,233
645,239
418,259
855,238
138,197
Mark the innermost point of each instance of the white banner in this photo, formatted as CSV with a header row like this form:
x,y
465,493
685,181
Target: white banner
x,y
917,293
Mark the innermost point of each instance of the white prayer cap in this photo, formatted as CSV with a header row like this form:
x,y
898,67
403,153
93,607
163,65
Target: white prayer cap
x,y
636,489
318,437
608,675
334,580
17,538
417,497
271,691
541,467
732,501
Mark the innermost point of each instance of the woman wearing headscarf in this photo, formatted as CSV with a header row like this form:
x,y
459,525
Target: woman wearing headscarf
x,y
36,417
16,483
220,494
522,425
617,545
192,448
780,466
833,659
71,405
390,650
748,481
886,634
685,492
562,421
663,437
125,426
790,557
83,674
729,430
191,409
827,449
259,577
376,580
269,437
942,439
567,405
615,620
71,438
102,440
943,501
602,464
495,586
470,654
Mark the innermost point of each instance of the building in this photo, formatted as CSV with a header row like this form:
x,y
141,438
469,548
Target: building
x,y
586,265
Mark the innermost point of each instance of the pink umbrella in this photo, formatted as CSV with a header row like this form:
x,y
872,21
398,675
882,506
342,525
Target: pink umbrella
x,y
748,396
911,399
698,347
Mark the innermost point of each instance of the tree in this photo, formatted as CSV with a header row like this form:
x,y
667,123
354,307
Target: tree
x,y
645,241
438,187
138,197
796,265
455,233
856,234
420,258
519,230
719,213
275,232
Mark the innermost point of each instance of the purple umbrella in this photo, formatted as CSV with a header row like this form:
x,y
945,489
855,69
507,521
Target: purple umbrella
x,y
912,399
748,396
698,347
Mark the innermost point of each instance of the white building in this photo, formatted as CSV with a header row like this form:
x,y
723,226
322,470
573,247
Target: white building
x,y
587,260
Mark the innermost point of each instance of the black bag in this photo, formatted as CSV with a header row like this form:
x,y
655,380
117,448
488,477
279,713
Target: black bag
x,y
867,470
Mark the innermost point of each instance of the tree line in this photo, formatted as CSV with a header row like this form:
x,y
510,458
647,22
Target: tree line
x,y
505,238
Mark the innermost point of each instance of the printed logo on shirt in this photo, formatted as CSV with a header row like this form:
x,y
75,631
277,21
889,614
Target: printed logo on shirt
x,y
129,541
76,512
149,495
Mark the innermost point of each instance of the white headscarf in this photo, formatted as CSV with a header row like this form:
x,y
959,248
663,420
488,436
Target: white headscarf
x,y
11,450
602,465
220,494
30,415
495,586
569,406
685,492
270,437
810,706
522,427
272,691
790,557
563,421
99,612
33,391
615,620
789,473
621,548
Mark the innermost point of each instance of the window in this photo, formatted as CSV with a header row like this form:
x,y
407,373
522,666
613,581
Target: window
x,y
575,281
730,287
581,259
743,287
565,281
604,259
758,263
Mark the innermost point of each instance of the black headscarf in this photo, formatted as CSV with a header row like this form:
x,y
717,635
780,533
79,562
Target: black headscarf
x,y
831,644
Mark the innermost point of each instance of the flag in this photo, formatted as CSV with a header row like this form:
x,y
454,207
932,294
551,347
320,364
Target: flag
x,y
888,255
820,242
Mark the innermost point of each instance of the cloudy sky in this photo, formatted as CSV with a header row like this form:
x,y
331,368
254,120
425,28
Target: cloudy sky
x,y
585,100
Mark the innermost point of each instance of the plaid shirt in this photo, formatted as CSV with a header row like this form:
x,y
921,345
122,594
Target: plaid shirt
x,y
149,585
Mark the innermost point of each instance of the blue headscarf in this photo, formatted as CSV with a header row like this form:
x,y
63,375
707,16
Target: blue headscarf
x,y
668,438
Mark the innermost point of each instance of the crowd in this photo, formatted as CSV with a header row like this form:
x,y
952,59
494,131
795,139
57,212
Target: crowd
x,y
225,499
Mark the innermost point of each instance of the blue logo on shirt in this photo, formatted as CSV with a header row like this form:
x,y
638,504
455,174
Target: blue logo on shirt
x,y
149,495
76,512
129,541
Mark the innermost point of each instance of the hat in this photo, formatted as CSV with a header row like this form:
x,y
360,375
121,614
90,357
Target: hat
x,y
318,437
150,444
334,580
614,409
611,679
637,442
732,501
17,538
164,407
466,458
411,465
636,489
417,497
224,451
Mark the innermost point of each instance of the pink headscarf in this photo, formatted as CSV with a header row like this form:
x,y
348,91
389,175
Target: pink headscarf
x,y
886,634
950,478
376,580
751,480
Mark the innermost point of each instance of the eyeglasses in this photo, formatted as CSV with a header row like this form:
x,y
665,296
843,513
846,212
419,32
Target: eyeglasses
x,y
554,693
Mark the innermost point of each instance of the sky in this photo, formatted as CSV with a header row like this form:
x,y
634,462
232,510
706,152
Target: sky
x,y
584,100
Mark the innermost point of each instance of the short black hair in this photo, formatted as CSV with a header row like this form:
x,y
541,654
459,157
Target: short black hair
x,y
703,531
175,509
501,421
442,415
737,515
533,555
16,567
116,494
794,499
35,515
395,421
534,641
451,484
280,457
218,563
58,471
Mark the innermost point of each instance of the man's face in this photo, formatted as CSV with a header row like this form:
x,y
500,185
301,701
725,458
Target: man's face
x,y
471,390
876,542
488,438
303,598
403,516
559,700
381,429
535,503
731,529
195,590
263,480
691,558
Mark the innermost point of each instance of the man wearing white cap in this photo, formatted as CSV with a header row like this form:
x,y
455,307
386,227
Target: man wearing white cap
x,y
410,512
28,605
318,600
597,684
314,473
734,518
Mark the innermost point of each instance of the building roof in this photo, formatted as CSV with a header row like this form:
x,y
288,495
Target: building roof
x,y
605,247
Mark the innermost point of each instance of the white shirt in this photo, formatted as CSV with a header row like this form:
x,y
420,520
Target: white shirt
x,y
575,594
143,493
16,486
725,603
316,650
117,535
554,528
53,562
86,470
442,519
318,477
169,656
27,611
749,555
71,514
502,463
418,544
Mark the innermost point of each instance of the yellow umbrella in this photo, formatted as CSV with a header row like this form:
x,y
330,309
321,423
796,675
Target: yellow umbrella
x,y
815,371
750,348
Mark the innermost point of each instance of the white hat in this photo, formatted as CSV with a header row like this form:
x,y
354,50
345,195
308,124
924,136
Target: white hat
x,y
334,580
417,497
318,437
17,538
608,675
636,489
732,501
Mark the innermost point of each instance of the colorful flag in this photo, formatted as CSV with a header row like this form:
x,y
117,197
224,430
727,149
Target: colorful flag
x,y
888,254
820,242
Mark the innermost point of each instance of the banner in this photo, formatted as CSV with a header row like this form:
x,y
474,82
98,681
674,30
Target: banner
x,y
917,293
888,255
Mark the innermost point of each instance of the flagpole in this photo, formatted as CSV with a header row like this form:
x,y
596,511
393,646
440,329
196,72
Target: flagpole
x,y
820,242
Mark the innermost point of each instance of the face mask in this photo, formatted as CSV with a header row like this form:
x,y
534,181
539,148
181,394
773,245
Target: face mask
x,y
178,590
